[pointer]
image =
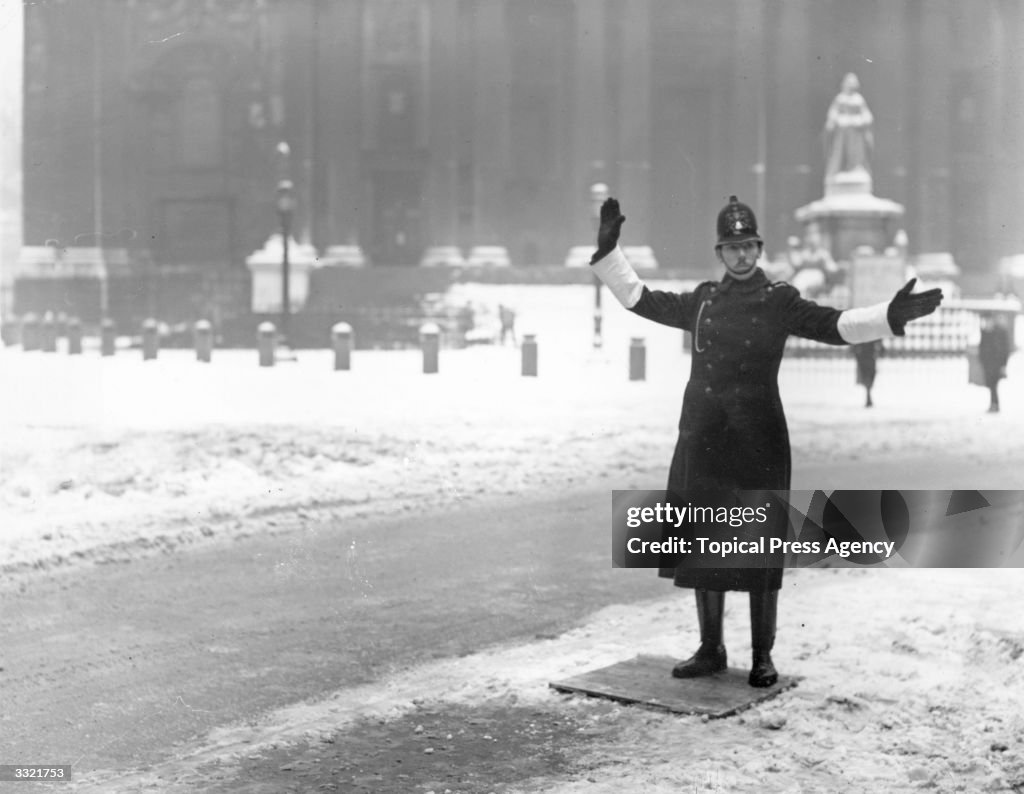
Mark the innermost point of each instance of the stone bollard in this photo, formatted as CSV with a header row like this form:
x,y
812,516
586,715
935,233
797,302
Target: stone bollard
x,y
108,334
266,336
341,338
48,333
529,348
30,332
637,359
62,325
203,335
430,339
74,337
150,339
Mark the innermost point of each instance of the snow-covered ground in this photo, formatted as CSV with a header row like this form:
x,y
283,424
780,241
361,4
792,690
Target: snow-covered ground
x,y
898,693
101,451
118,455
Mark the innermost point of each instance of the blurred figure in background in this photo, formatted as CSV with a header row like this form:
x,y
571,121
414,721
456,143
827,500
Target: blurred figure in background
x,y
465,319
815,271
507,316
994,352
867,355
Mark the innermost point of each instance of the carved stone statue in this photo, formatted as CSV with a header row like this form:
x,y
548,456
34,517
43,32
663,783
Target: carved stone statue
x,y
848,134
849,215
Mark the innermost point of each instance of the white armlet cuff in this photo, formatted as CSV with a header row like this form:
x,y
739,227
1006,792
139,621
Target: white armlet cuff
x,y
864,325
618,275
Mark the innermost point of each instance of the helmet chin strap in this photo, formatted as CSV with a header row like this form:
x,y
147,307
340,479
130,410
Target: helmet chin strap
x,y
741,275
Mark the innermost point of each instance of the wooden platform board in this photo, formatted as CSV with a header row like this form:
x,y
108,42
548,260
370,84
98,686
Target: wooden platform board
x,y
647,681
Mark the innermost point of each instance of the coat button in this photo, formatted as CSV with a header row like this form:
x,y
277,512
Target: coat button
x,y
744,367
708,365
707,321
708,390
747,343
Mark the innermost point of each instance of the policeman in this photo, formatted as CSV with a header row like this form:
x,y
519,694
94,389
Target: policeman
x,y
732,432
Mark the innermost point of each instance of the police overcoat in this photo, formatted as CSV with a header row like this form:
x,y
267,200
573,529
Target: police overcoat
x,y
732,429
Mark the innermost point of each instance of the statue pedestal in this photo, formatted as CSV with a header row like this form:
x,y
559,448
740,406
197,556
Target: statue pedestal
x,y
443,256
266,266
639,256
850,216
350,255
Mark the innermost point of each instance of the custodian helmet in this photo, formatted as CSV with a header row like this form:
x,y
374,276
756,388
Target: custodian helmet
x,y
737,223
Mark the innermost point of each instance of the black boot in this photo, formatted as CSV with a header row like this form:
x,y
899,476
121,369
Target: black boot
x,y
710,657
763,608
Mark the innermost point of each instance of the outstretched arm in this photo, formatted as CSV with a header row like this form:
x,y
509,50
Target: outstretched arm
x,y
854,326
612,267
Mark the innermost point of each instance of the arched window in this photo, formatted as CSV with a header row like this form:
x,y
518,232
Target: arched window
x,y
202,124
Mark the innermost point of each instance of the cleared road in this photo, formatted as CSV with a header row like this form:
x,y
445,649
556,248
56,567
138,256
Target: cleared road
x,y
108,667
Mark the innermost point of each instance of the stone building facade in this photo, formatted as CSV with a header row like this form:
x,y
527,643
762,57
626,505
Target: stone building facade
x,y
150,126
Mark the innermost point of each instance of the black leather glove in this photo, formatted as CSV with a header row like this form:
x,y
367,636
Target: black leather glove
x,y
608,231
905,306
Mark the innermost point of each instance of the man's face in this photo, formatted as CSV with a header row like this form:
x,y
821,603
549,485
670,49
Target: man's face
x,y
739,259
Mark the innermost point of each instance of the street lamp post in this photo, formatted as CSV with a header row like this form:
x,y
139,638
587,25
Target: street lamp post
x,y
285,212
598,194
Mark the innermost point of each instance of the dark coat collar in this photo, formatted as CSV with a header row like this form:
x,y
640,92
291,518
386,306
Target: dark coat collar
x,y
757,281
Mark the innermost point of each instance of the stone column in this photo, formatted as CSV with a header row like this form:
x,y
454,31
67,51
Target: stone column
x,y
320,79
11,59
340,92
442,170
1005,225
634,120
749,137
892,105
590,116
794,152
490,123
930,174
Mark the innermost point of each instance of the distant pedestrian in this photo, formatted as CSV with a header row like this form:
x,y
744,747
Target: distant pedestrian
x,y
507,316
994,353
867,354
466,319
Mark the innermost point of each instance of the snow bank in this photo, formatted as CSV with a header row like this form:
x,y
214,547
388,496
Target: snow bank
x,y
102,452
